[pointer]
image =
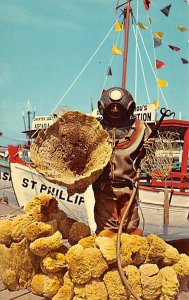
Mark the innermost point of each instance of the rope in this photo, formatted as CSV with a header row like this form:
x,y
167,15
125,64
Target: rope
x,y
125,215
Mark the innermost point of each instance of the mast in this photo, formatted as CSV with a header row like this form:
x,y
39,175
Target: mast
x,y
127,12
29,112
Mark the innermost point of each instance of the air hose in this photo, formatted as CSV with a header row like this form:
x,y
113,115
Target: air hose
x,y
124,217
164,113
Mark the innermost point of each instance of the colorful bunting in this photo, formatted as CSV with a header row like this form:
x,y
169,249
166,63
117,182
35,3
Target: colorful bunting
x,y
159,64
166,10
181,28
142,26
150,20
119,26
184,61
174,48
156,104
147,4
157,42
162,83
159,35
116,50
109,71
92,107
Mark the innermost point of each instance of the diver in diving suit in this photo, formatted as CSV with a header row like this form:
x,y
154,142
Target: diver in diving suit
x,y
114,187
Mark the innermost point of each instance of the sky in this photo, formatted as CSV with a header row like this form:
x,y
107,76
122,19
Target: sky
x,y
56,53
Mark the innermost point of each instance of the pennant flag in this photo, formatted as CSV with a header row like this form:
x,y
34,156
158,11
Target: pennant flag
x,y
159,35
150,20
157,42
142,26
156,104
109,71
147,4
184,61
116,50
166,10
92,107
162,83
174,48
159,64
181,28
119,26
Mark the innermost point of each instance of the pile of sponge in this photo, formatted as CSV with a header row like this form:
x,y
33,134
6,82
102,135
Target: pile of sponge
x,y
33,242
35,254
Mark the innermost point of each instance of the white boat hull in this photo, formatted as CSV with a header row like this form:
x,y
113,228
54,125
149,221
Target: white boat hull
x,y
27,183
152,214
6,188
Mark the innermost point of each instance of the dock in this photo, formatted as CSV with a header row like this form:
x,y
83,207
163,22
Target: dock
x,y
19,295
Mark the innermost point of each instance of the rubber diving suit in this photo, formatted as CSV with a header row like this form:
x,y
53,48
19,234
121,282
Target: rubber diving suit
x,y
113,189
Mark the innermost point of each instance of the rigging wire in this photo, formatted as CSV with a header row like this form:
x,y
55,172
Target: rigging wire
x,y
86,65
142,67
110,64
15,140
152,66
119,57
136,58
154,53
115,41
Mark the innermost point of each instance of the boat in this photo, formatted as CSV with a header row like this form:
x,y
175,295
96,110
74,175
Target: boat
x,y
27,183
32,125
164,205
6,190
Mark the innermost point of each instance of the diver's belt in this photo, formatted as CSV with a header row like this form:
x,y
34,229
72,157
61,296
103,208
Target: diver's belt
x,y
116,184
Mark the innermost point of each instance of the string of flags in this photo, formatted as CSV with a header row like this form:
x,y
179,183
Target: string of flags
x,y
162,83
157,42
109,71
147,4
174,48
116,50
142,26
119,26
150,20
166,10
159,64
157,39
159,35
156,104
181,28
184,61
